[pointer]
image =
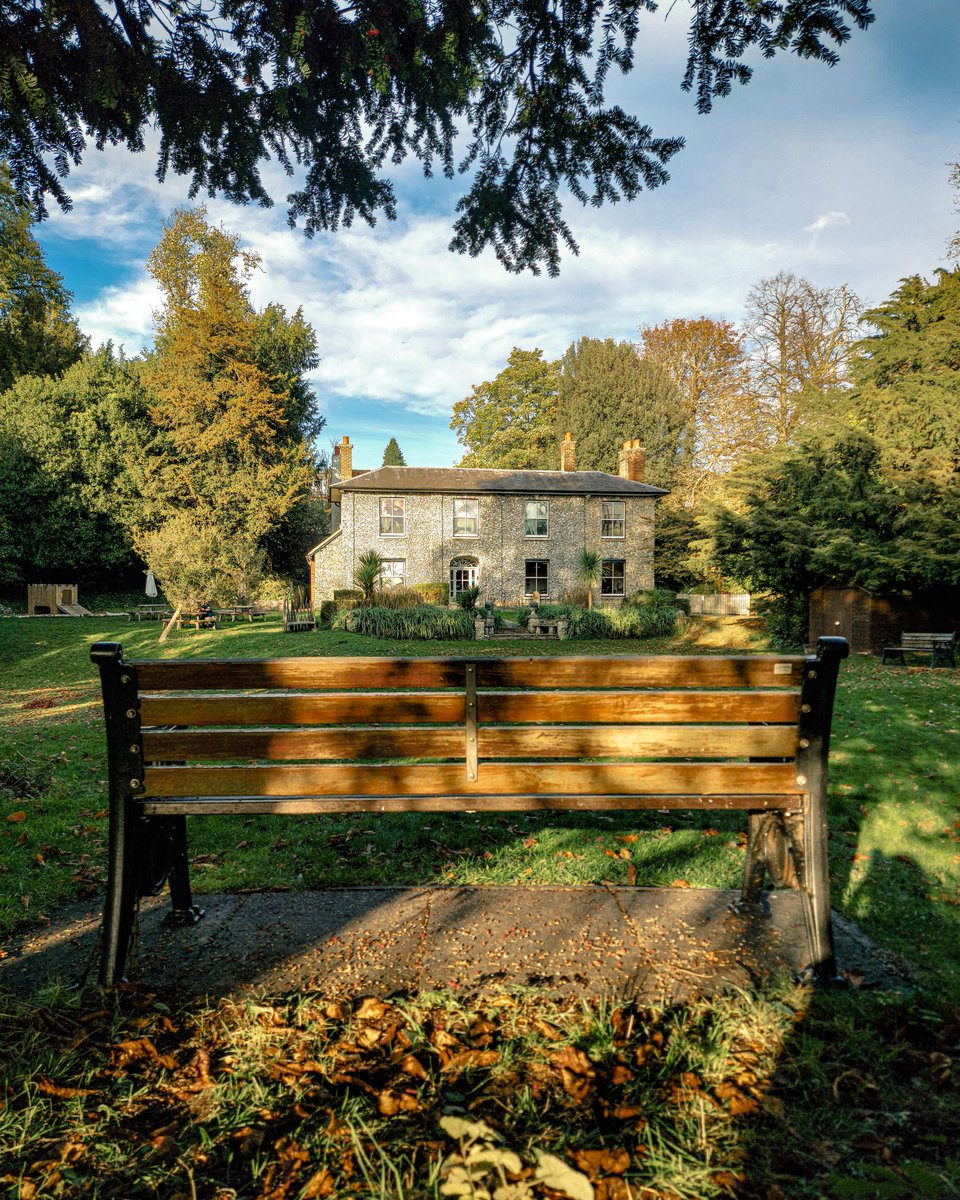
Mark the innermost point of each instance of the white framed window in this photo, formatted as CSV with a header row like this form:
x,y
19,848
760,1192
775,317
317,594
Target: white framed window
x,y
612,576
466,518
393,516
536,518
536,576
394,573
613,520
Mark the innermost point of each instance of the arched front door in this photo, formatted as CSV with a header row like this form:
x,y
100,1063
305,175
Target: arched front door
x,y
464,573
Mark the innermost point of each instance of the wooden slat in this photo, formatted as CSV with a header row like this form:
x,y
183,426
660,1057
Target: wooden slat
x,y
218,673
628,708
248,805
302,744
533,779
400,708
292,708
638,741
660,671
568,741
670,671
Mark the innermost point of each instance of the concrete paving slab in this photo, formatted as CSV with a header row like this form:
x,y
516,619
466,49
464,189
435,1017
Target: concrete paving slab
x,y
641,942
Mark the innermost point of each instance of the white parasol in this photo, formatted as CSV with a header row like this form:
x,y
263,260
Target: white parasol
x,y
151,588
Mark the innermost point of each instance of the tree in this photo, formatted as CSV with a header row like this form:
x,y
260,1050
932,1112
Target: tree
x,y
227,464
608,393
706,361
907,374
509,421
70,492
827,511
588,568
953,246
393,455
369,575
341,90
799,339
37,334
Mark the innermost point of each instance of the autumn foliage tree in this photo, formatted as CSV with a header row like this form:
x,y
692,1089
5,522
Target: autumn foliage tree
x,y
228,462
706,360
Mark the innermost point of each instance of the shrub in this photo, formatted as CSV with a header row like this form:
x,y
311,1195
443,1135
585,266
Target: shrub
x,y
467,598
423,623
653,598
583,623
397,597
432,593
328,610
346,598
369,575
574,597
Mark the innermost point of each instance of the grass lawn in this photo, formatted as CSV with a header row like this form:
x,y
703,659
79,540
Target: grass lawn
x,y
782,1095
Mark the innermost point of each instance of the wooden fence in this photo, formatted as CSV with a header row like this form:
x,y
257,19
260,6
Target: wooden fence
x,y
723,604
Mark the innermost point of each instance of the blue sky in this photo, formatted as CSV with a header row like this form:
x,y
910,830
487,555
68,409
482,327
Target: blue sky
x,y
838,174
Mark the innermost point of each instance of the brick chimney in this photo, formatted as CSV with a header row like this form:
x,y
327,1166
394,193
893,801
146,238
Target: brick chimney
x,y
568,453
346,459
630,461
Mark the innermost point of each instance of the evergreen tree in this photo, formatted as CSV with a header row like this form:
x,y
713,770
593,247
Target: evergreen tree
x,y
393,455
37,334
348,90
227,465
953,246
69,493
509,421
907,376
608,393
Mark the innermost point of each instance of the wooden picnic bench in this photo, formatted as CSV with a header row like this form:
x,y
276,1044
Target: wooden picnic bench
x,y
198,620
940,646
318,736
242,612
150,612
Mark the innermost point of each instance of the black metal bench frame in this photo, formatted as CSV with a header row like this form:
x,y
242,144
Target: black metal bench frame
x,y
940,646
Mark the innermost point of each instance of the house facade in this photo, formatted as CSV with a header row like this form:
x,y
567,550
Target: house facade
x,y
513,533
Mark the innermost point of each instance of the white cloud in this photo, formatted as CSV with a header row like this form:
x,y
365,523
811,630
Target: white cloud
x,y
827,220
123,315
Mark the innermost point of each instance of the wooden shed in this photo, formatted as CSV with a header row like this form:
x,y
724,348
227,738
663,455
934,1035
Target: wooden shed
x,y
869,620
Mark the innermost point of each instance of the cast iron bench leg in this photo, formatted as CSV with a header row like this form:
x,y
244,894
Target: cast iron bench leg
x,y
184,911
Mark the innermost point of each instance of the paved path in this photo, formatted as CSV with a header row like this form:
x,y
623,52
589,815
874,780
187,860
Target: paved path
x,y
603,940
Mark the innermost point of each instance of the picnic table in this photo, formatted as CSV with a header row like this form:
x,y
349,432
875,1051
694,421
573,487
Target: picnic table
x,y
150,612
199,620
236,612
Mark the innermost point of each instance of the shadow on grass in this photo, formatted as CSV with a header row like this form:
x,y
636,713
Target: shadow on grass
x,y
865,1098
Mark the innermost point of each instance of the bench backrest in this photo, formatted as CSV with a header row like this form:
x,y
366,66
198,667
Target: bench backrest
x,y
345,734
926,641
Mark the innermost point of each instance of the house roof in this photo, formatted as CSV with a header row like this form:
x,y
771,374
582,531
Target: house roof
x,y
458,480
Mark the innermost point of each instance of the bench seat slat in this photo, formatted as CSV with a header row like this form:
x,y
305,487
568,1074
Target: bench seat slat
x,y
616,671
568,741
257,805
360,708
532,779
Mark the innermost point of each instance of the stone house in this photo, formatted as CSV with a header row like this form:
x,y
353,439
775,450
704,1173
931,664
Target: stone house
x,y
512,532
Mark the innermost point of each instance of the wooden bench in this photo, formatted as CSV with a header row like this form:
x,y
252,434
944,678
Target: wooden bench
x,y
315,736
940,646
150,612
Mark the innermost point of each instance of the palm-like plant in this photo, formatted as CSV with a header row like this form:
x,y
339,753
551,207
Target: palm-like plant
x,y
588,571
368,575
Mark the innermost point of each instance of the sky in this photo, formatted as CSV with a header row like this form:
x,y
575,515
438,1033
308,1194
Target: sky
x,y
837,174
